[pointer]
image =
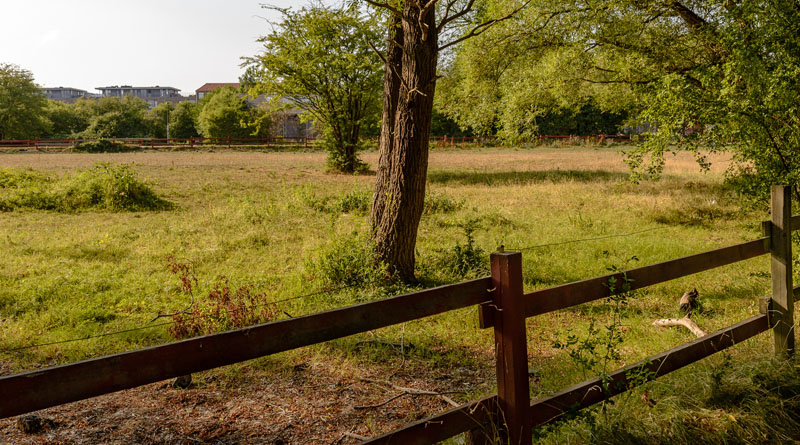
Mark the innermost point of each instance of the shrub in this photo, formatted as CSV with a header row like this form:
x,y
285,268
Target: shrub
x,y
441,203
103,146
103,186
464,261
349,261
111,188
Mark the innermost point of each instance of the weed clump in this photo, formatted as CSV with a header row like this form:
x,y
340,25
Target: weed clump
x,y
224,307
103,187
349,261
441,203
463,261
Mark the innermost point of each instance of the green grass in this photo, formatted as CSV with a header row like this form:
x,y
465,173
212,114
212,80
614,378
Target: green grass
x,y
279,223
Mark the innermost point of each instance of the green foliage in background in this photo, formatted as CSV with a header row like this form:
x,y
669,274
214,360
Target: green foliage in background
x,y
183,120
22,104
226,113
318,59
114,117
692,74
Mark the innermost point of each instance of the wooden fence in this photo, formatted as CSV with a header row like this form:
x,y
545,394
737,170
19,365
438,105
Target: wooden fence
x,y
194,142
502,305
282,142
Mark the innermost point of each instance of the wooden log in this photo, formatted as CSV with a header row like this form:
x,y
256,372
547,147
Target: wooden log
x,y
43,388
579,292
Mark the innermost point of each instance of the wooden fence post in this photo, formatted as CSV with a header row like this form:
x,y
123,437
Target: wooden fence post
x,y
781,306
510,340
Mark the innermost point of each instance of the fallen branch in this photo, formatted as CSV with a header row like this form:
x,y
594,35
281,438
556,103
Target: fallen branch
x,y
686,322
404,391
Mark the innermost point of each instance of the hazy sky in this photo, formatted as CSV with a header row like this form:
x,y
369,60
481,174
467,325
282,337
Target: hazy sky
x,y
91,43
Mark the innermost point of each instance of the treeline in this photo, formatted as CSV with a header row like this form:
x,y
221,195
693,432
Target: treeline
x,y
220,114
25,113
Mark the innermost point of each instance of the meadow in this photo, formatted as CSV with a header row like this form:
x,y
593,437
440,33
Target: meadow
x,y
280,228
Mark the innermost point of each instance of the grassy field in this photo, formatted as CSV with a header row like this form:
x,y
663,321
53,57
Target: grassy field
x,y
279,223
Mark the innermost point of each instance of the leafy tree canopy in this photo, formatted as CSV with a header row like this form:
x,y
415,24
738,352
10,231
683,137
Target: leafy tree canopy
x,y
317,59
714,74
183,120
114,117
22,104
225,113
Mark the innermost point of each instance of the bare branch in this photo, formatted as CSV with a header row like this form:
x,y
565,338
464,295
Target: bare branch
x,y
447,19
384,5
480,29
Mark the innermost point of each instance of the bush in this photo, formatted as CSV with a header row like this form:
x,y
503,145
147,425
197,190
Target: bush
x,y
463,261
349,261
103,146
441,203
104,186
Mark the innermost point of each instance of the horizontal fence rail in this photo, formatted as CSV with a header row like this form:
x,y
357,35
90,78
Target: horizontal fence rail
x,y
572,294
34,390
478,414
588,393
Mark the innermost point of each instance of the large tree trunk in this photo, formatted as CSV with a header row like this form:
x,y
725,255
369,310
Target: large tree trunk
x,y
391,90
403,164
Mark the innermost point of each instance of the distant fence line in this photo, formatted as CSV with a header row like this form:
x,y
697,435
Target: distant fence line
x,y
283,142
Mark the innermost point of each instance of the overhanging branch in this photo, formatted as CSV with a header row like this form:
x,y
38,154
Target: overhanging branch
x,y
481,28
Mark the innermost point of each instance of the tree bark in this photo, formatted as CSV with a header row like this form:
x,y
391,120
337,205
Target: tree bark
x,y
403,163
391,89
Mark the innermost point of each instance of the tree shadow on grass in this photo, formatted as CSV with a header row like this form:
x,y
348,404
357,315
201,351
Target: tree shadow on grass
x,y
523,177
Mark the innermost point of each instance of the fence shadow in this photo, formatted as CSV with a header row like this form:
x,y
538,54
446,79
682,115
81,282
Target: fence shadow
x,y
523,177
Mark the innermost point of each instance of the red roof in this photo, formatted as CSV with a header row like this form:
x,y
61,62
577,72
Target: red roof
x,y
213,86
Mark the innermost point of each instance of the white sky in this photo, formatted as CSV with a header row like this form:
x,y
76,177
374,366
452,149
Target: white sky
x,y
92,43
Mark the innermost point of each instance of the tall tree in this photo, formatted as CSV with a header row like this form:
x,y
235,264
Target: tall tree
x,y
22,104
719,75
317,59
410,73
183,121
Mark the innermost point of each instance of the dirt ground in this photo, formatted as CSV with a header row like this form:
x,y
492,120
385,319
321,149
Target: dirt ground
x,y
306,403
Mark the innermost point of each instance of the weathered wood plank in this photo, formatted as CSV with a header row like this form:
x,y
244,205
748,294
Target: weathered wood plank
x,y
510,345
547,409
796,222
33,390
781,308
471,416
478,414
572,294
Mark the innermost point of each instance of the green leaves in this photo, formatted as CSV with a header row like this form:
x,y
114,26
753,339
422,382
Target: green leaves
x,y
22,104
318,59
